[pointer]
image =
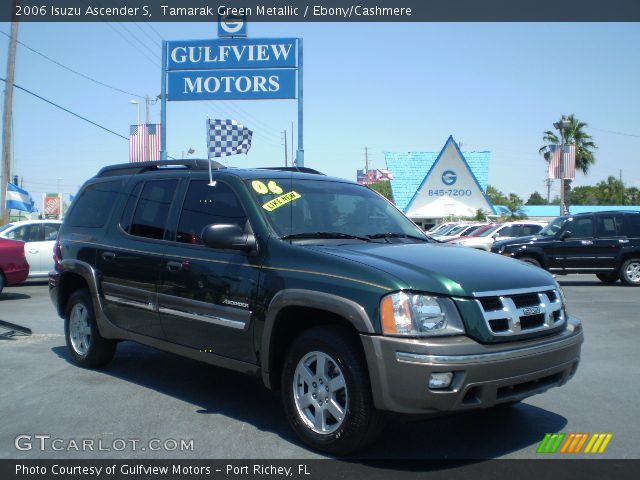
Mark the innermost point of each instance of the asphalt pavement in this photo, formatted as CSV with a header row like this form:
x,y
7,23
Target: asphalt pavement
x,y
151,404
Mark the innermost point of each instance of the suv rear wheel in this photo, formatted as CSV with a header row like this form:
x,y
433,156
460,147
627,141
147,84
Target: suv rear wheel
x,y
608,277
630,272
326,392
86,345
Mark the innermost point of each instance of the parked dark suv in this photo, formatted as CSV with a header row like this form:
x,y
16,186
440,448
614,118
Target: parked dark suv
x,y
318,285
604,243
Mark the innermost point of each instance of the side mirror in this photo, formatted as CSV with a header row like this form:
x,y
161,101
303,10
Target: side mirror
x,y
495,235
566,234
228,237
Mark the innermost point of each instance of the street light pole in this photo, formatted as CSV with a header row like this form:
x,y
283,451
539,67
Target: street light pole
x,y
137,104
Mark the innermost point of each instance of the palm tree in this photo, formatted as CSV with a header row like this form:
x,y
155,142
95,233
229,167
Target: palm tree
x,y
573,134
514,204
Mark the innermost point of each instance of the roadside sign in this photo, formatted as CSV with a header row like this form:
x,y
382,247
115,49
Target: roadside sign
x,y
227,53
232,26
251,84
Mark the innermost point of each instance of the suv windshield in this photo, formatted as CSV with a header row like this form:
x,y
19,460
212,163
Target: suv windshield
x,y
324,209
553,228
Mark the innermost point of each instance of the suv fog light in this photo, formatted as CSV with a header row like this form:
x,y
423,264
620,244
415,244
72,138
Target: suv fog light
x,y
440,380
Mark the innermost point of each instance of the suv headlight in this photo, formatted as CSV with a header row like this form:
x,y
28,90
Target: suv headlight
x,y
410,314
563,300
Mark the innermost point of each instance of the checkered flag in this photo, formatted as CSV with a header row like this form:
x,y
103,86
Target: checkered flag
x,y
227,137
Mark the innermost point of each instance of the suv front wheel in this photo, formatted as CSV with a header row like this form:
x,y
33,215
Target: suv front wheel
x,y
326,392
630,272
85,344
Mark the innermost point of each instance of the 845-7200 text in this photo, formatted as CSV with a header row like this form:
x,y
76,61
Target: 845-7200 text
x,y
452,192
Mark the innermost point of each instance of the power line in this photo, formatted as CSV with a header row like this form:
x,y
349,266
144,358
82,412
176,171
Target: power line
x,y
87,77
142,52
616,133
66,110
154,30
137,39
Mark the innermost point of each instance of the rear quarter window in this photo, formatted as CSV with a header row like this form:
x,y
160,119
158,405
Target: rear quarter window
x,y
631,226
94,205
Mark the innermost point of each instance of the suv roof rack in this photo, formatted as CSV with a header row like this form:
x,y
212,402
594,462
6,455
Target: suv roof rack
x,y
294,169
142,167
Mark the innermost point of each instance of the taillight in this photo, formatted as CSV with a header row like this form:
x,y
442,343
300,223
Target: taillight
x,y
57,255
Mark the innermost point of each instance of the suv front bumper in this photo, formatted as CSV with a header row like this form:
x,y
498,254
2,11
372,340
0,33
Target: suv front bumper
x,y
483,375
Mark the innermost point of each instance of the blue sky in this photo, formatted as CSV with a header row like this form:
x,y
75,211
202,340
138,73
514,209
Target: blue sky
x,y
383,86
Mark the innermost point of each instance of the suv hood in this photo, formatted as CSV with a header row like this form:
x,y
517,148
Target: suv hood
x,y
443,269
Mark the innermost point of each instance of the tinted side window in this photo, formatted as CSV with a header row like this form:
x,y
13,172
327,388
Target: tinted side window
x,y
152,210
205,205
94,205
51,231
631,227
606,226
530,229
582,228
506,232
127,214
27,233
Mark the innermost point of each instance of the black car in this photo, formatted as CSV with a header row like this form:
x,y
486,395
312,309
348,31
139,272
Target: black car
x,y
606,244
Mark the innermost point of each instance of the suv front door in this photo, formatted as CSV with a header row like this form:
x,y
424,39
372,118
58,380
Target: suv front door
x,y
206,296
576,252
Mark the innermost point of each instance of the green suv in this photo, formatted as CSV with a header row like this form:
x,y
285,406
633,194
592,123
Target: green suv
x,y
317,285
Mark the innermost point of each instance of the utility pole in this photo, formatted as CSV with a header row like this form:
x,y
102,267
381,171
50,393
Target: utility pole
x,y
6,123
366,159
147,103
286,162
548,182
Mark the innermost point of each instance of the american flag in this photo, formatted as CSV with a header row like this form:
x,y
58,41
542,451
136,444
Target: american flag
x,y
144,142
568,160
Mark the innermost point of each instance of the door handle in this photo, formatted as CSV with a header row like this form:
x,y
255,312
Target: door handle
x,y
586,242
33,251
623,240
174,266
108,256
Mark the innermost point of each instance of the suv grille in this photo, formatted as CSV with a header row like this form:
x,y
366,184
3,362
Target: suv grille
x,y
519,313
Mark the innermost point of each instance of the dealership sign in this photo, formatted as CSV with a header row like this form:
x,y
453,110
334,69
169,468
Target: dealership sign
x,y
231,69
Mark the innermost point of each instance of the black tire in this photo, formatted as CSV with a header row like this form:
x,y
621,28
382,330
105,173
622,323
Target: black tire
x,y
2,281
531,261
86,345
361,423
608,277
630,272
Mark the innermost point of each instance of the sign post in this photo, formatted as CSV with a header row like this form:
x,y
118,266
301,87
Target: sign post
x,y
300,151
163,104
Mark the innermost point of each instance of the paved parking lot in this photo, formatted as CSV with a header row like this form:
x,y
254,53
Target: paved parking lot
x,y
151,400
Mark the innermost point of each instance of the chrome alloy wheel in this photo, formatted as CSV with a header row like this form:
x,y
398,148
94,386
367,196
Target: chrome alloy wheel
x,y
80,329
633,271
320,392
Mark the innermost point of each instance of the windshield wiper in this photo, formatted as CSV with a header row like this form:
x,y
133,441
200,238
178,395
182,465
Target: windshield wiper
x,y
324,235
397,235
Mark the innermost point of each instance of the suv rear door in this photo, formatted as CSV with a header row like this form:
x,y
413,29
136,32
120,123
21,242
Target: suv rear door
x,y
609,240
130,264
206,295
